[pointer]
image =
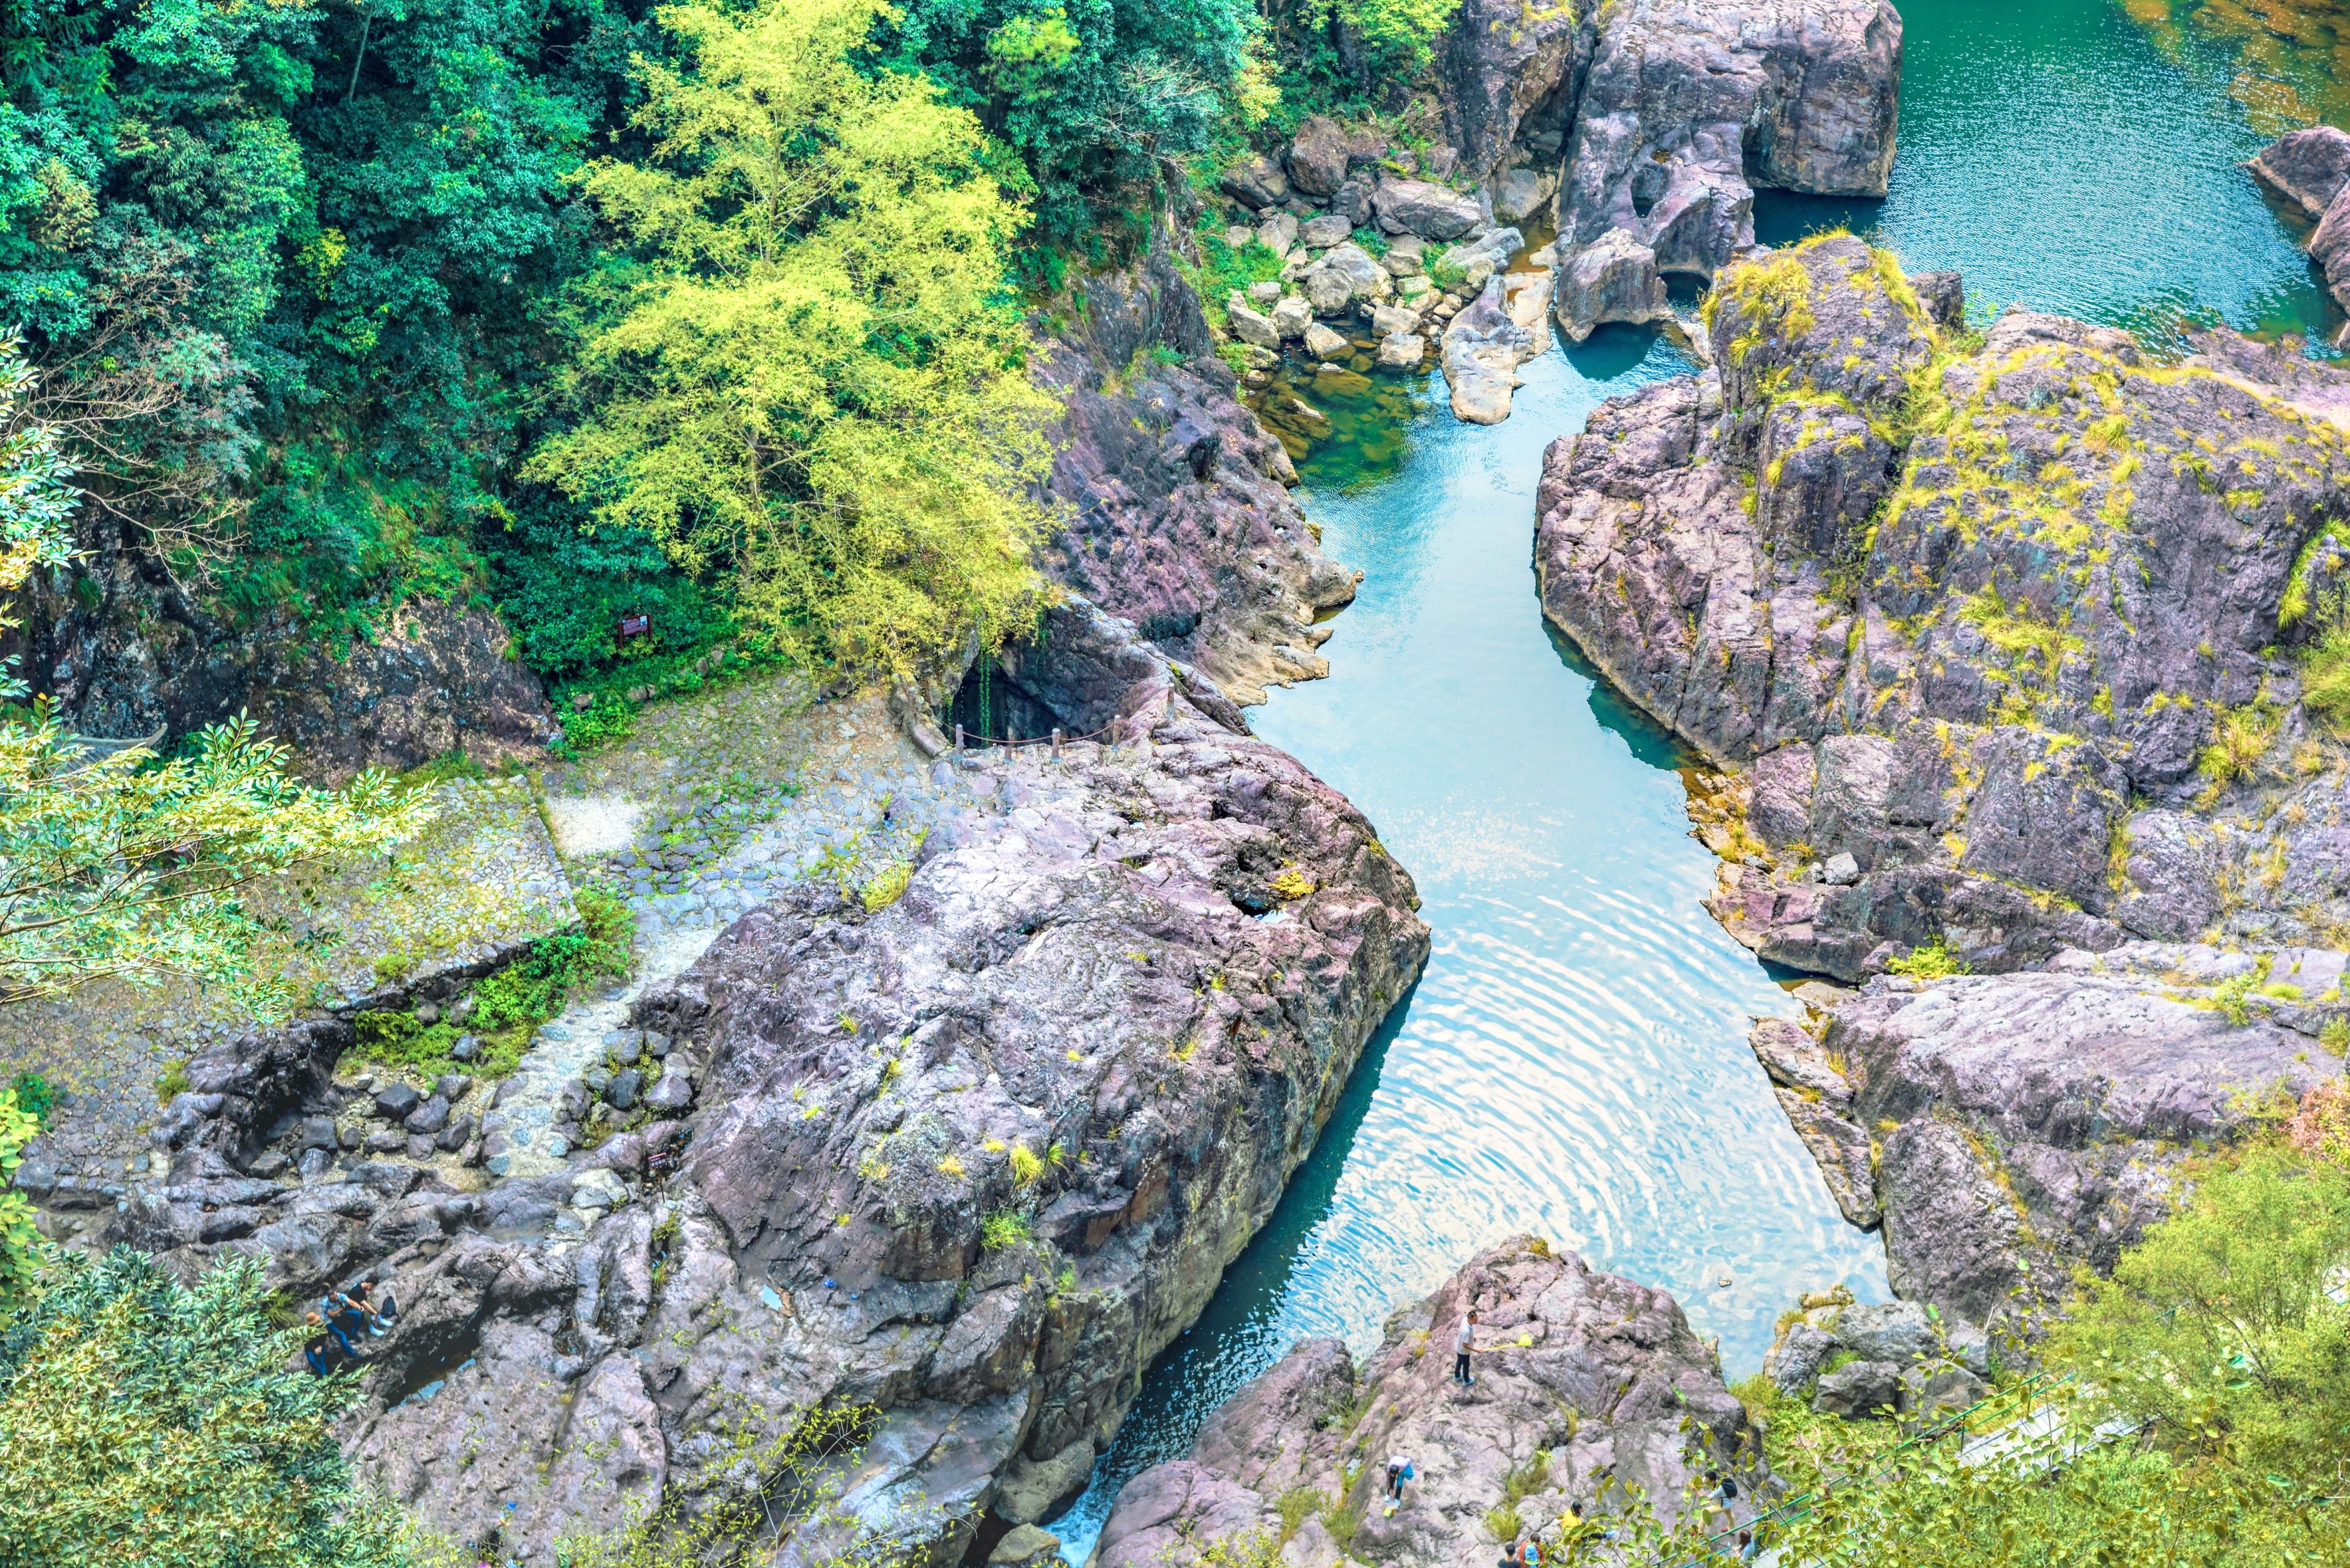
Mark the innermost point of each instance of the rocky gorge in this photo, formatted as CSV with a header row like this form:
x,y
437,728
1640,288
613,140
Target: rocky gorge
x,y
1957,619
1637,134
964,1155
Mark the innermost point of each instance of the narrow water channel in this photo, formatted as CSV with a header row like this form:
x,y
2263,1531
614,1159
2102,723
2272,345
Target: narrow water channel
x,y
1574,1063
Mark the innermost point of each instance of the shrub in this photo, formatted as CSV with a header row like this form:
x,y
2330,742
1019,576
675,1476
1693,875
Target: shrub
x,y
886,886
146,1423
1930,962
2320,1123
1025,1166
35,1096
1004,1228
2231,996
2240,738
509,1005
21,1251
2325,674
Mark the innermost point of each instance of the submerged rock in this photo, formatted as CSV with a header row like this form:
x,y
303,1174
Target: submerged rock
x,y
1587,1385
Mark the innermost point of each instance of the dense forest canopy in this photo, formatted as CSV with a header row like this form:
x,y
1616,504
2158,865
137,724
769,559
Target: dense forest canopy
x,y
339,303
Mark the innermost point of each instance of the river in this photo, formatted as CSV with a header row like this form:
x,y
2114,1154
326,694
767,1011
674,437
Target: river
x,y
1574,1063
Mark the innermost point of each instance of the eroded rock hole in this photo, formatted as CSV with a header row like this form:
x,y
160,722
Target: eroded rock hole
x,y
991,705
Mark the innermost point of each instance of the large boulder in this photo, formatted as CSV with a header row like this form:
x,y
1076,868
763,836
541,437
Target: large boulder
x,y
1613,278
1483,347
1985,693
1689,105
972,1160
2308,171
1256,182
1324,153
1420,207
1586,1386
2013,1127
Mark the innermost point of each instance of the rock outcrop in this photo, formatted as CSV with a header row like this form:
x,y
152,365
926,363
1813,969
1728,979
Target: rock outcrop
x,y
1176,514
971,1160
2005,1129
1859,1361
1587,1386
1509,75
125,651
1967,622
1643,128
2307,171
1687,106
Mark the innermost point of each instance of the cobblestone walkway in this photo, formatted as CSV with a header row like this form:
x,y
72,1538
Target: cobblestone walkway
x,y
715,802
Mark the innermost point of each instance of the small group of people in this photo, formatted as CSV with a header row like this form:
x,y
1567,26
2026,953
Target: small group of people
x,y
343,1322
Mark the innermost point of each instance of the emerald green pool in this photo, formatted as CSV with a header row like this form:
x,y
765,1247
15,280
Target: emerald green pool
x,y
1573,1063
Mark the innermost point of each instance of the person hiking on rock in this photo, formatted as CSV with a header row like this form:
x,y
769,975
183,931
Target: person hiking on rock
x,y
1463,1341
380,1315
314,1353
1400,1471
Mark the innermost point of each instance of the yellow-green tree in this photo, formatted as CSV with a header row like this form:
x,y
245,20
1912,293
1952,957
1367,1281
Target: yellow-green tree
x,y
816,381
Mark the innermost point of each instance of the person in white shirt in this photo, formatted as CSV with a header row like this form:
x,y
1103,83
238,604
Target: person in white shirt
x,y
1400,1471
1462,1342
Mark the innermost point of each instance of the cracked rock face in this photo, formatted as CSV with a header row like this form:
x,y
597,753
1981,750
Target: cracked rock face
x,y
1689,105
971,1160
1970,618
1602,1375
1509,75
143,655
1178,513
2006,1129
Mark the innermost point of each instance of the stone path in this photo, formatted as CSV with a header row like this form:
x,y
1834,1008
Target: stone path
x,y
719,800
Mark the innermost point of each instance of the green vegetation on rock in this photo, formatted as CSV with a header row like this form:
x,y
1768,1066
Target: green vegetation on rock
x,y
2193,1407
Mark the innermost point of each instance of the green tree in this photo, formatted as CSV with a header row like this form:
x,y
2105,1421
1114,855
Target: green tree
x,y
2223,1325
1088,92
2194,1409
148,1424
815,381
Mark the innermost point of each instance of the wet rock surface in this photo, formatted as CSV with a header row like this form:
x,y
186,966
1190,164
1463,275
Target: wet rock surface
x,y
1585,1384
1972,617
2005,1129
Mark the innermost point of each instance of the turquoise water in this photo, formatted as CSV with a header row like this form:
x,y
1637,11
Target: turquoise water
x,y
1574,1063
2052,155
